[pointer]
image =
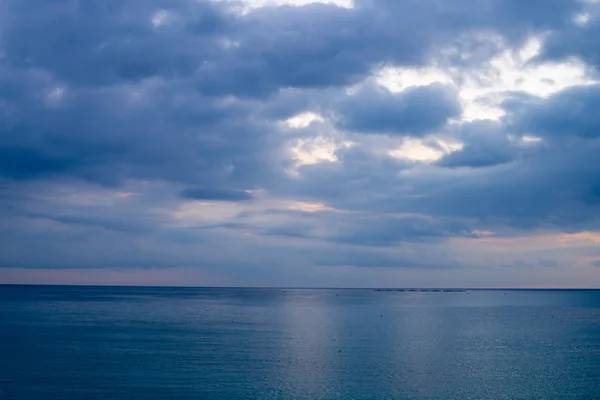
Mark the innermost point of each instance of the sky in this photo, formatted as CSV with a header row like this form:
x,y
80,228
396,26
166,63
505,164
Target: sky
x,y
341,143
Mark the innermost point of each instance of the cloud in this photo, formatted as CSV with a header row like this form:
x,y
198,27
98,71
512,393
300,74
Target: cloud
x,y
312,142
322,45
546,262
153,129
215,194
112,43
371,259
346,227
568,113
415,111
575,39
23,162
486,144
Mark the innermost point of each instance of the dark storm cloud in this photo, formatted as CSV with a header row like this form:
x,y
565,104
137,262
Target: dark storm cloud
x,y
415,111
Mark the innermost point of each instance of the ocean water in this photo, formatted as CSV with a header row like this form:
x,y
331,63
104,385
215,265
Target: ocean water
x,y
74,343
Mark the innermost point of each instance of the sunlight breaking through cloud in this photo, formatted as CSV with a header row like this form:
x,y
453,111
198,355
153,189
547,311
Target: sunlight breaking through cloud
x,y
417,150
482,90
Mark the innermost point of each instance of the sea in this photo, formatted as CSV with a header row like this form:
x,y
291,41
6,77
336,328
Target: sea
x,y
144,343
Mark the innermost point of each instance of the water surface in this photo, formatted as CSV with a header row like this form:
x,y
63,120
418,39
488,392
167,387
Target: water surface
x,y
73,343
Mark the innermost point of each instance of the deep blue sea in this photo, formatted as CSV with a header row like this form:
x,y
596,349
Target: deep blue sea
x,y
88,343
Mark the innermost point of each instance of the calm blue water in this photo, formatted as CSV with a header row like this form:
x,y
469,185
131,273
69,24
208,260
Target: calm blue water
x,y
161,343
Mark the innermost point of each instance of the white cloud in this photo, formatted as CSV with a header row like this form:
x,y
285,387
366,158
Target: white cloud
x,y
312,151
482,90
263,3
55,95
203,213
417,150
303,120
249,5
160,18
399,79
581,19
531,139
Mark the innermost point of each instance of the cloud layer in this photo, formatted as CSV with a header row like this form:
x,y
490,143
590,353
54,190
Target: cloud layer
x,y
378,142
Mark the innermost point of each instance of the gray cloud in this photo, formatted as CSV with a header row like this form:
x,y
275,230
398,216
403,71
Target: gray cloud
x,y
151,130
324,45
215,194
105,116
352,228
371,259
415,111
547,262
571,112
105,42
575,40
486,144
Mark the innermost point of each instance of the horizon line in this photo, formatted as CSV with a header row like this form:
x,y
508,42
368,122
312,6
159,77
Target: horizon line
x,y
290,287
